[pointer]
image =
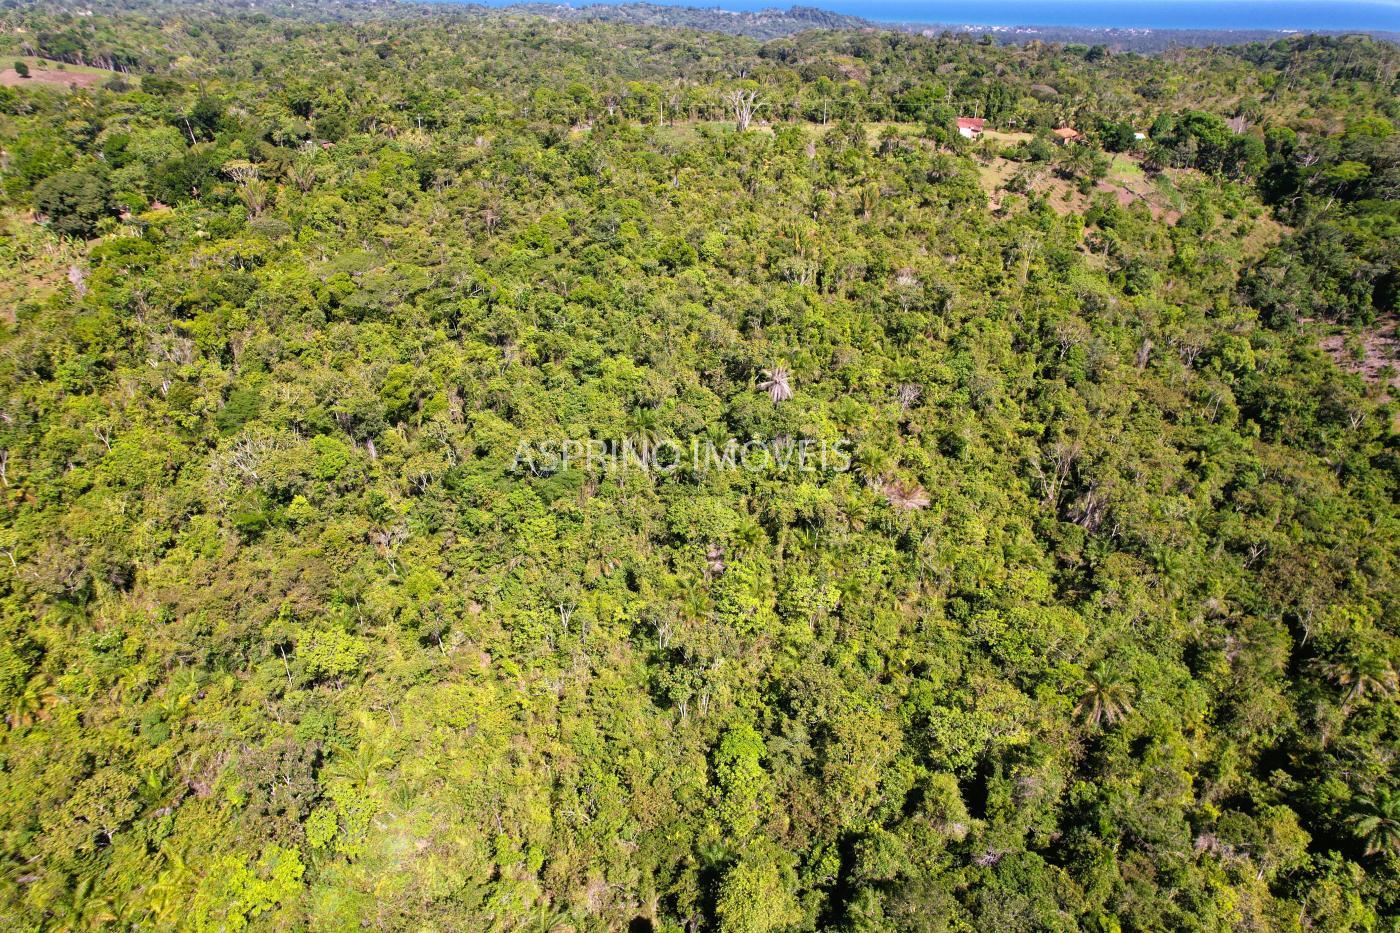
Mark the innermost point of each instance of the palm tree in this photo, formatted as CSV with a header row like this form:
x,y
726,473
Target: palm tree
x,y
907,497
1361,674
33,702
361,766
694,604
777,383
747,535
255,195
1107,697
643,429
871,463
303,175
1378,822
169,892
547,918
805,539
83,907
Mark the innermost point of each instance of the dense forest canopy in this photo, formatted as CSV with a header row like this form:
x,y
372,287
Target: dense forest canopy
x,y
1093,625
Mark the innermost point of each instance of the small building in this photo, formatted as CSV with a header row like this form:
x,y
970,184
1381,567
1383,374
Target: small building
x,y
970,127
1064,135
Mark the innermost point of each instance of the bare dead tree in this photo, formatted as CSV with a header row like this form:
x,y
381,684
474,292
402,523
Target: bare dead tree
x,y
1144,353
1061,459
744,104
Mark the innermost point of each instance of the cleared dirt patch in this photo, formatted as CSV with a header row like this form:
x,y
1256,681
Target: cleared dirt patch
x,y
49,74
1126,182
1370,355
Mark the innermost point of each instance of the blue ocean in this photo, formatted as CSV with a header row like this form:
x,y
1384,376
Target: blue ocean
x,y
1165,14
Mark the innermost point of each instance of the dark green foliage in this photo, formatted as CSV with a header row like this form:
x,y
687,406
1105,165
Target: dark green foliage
x,y
242,407
186,176
74,202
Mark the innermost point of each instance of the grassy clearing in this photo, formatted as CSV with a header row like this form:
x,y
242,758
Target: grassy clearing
x,y
1006,138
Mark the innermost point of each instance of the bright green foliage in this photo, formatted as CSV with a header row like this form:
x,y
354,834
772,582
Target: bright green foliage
x,y
756,896
745,793
235,894
331,655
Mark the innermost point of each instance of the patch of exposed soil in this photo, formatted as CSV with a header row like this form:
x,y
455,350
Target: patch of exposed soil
x,y
1126,182
1379,349
53,77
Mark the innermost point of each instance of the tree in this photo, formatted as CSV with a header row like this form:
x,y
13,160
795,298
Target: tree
x,y
1377,822
906,497
756,895
1118,136
361,766
74,202
777,383
744,786
99,807
1362,673
186,176
1106,697
743,102
205,119
33,702
21,69
643,428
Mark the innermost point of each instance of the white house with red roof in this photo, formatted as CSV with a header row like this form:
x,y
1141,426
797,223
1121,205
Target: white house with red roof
x,y
970,127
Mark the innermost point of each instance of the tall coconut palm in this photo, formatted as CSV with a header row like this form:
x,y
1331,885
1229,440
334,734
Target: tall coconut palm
x,y
643,428
907,497
361,765
1377,823
747,535
871,464
33,702
1107,697
777,382
1362,674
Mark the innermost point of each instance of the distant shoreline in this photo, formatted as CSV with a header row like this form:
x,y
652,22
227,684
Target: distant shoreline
x,y
1291,16
770,22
